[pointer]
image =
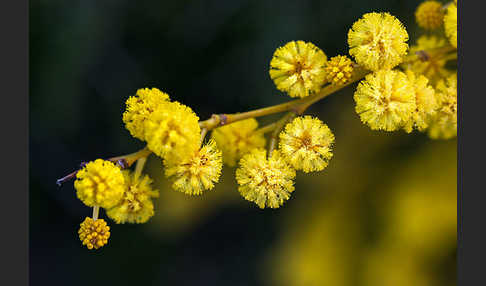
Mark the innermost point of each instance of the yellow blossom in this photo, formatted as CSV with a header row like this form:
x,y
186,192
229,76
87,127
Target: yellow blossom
x,y
136,206
339,70
444,124
100,183
237,139
139,107
424,100
298,68
198,173
172,131
385,100
306,143
94,233
378,41
450,24
267,182
429,15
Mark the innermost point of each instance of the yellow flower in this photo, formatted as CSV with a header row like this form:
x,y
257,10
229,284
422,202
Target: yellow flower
x,y
172,131
385,100
237,139
424,100
429,15
378,41
298,68
94,233
266,182
139,107
450,24
100,183
306,143
198,173
136,206
444,124
339,70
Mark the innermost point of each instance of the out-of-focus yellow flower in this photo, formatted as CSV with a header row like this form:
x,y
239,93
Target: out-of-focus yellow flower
x,y
443,124
100,183
172,131
378,41
139,107
267,182
339,70
237,139
385,100
298,68
136,206
429,15
94,233
198,173
450,24
424,100
306,143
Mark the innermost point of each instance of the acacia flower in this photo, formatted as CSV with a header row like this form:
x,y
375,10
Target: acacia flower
x,y
267,182
237,139
450,24
172,131
298,68
198,173
139,107
136,206
385,100
378,41
444,124
100,183
306,143
424,100
429,15
339,70
94,233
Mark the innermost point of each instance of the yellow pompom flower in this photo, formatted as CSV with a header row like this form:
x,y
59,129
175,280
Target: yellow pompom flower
x,y
136,206
385,100
237,139
429,15
139,107
268,182
172,131
450,24
339,70
424,100
298,68
100,183
444,124
198,173
378,41
306,143
94,233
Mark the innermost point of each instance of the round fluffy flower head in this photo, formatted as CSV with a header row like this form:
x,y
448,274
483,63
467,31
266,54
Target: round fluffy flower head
x,y
385,100
237,139
298,68
94,233
136,206
378,41
198,173
450,24
172,130
306,143
267,182
100,183
429,15
444,124
339,70
424,100
139,107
